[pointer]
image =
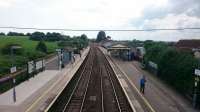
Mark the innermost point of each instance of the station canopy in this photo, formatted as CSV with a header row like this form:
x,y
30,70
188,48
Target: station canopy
x,y
119,47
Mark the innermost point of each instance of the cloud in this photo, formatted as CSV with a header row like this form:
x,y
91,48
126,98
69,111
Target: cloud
x,y
184,13
172,21
174,14
104,14
189,7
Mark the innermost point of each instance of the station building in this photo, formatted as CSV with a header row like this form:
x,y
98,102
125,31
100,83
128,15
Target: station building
x,y
120,51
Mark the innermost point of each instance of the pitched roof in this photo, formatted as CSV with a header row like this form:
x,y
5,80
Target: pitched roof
x,y
192,43
119,46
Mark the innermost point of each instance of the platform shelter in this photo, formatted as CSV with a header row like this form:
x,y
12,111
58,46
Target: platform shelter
x,y
120,51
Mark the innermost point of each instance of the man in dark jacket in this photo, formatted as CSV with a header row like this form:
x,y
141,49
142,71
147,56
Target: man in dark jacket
x,y
142,84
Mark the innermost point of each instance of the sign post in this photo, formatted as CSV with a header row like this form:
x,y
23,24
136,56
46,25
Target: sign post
x,y
14,92
13,68
196,81
59,58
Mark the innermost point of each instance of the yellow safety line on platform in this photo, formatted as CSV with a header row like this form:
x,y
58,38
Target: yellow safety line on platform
x,y
32,105
35,102
145,100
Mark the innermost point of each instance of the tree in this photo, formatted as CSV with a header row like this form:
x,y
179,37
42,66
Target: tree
x,y
174,67
154,51
3,34
28,34
177,68
38,36
15,34
54,36
66,37
41,47
101,36
84,37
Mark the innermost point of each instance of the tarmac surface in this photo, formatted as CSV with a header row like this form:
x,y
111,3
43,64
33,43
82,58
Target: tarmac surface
x,y
160,96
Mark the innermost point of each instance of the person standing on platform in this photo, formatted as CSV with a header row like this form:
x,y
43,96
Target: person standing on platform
x,y
142,84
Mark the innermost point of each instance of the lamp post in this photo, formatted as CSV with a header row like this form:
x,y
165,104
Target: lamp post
x,y
196,81
13,69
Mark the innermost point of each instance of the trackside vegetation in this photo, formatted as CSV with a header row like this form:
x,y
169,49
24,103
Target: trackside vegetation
x,y
33,46
175,67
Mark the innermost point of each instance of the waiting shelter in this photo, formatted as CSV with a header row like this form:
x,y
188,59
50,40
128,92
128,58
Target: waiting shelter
x,y
120,51
67,54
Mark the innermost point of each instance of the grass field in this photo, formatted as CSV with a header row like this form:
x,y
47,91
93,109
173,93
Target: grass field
x,y
29,50
24,41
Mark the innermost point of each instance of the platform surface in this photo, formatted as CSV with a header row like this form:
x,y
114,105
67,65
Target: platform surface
x,y
39,86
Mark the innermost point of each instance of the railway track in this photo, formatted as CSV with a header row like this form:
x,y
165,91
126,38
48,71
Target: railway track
x,y
95,88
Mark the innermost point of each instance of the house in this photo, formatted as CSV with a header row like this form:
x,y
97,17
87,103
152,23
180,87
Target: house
x,y
190,45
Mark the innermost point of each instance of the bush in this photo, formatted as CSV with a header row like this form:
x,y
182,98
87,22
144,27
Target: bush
x,y
154,51
35,55
41,47
174,67
177,68
65,44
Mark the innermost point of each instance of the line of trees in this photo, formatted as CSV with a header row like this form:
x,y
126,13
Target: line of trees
x,y
13,34
78,42
39,36
174,67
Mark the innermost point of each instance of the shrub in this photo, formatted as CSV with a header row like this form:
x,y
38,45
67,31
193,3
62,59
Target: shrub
x,y
35,55
41,47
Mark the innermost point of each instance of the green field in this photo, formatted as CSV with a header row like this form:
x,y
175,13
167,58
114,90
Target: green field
x,y
24,41
29,48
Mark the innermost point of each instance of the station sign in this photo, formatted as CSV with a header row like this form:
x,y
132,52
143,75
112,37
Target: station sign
x,y
43,63
197,72
152,64
13,69
31,67
39,65
58,50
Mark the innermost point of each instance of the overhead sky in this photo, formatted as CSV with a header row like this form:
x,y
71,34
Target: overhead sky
x,y
105,14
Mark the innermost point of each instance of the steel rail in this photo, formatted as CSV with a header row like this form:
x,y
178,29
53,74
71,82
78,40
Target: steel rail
x,y
114,90
84,97
114,75
102,95
76,86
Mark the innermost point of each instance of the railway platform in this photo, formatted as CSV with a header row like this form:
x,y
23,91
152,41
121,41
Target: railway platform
x,y
35,94
158,96
94,88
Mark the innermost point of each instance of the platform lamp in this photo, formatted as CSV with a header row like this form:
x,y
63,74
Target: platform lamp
x,y
196,82
13,68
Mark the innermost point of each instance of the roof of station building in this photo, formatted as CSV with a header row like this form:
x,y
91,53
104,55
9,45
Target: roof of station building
x,y
119,47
